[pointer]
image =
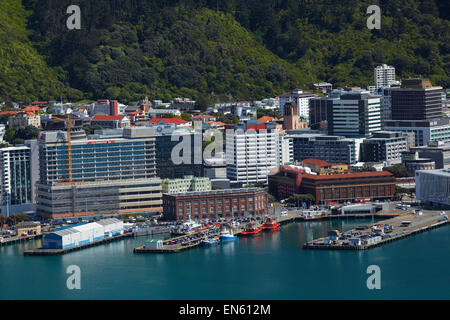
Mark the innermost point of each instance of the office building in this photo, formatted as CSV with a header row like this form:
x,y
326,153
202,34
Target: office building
x,y
417,100
318,112
215,204
438,152
355,113
167,139
109,175
433,187
424,130
215,168
251,151
15,178
333,149
384,146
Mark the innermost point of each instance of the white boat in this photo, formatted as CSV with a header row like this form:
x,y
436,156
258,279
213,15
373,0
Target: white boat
x,y
227,235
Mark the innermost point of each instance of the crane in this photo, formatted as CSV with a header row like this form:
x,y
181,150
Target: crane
x,y
69,144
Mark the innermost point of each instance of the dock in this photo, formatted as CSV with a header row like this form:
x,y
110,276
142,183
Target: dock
x,y
184,242
402,226
54,252
16,239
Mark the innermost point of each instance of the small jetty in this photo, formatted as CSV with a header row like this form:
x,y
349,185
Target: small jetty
x,y
180,243
377,234
16,239
54,252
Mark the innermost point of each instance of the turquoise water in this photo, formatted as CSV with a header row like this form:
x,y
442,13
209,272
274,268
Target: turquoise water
x,y
269,266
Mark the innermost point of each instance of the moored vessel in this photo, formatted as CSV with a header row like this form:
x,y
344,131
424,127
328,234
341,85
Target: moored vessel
x,y
250,229
227,235
270,224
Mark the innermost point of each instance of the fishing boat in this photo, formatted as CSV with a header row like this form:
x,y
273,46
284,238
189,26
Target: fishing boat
x,y
227,235
250,229
270,224
209,242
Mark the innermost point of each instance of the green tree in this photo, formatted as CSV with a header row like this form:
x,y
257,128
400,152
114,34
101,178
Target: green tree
x,y
186,116
398,170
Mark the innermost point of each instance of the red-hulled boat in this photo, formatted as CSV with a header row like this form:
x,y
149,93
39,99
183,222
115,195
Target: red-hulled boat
x,y
270,224
250,229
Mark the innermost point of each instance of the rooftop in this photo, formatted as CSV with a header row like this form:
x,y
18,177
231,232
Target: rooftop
x,y
167,120
107,118
212,192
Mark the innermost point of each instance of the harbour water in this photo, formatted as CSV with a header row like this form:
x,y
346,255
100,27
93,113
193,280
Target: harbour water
x,y
267,266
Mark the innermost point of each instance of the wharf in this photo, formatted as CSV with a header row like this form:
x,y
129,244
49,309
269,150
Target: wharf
x,y
17,239
189,242
54,252
427,221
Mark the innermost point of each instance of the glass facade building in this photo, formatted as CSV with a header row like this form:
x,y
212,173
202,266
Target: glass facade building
x,y
15,170
110,175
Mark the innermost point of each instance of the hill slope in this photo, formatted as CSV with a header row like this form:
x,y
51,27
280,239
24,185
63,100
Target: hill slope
x,y
209,49
24,74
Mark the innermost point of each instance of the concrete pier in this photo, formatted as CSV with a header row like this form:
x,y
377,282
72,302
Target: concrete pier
x,y
402,227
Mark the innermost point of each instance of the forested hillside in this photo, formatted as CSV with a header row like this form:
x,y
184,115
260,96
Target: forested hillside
x,y
215,49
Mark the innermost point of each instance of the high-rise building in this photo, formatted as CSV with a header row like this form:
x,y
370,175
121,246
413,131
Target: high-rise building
x,y
318,111
251,151
15,178
109,175
417,99
355,113
166,139
384,76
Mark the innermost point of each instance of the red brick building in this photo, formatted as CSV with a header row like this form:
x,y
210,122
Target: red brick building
x,y
332,187
215,204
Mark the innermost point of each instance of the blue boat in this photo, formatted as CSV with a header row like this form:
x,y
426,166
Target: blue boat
x,y
227,235
210,242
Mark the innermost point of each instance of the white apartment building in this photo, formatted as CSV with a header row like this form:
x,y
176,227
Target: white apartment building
x,y
300,98
251,151
2,132
384,76
285,151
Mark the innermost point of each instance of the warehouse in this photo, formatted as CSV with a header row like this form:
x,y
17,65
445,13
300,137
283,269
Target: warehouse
x,y
90,232
61,239
82,234
112,226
